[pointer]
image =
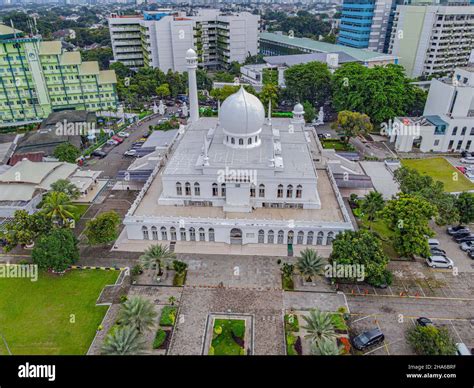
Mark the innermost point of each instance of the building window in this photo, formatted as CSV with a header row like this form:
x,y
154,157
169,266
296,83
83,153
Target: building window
x,y
299,191
249,140
309,238
241,141
450,146
197,189
164,233
145,233
270,237
300,238
215,191
289,239
261,236
281,236
459,145
280,191
173,233
182,233
261,191
289,191
154,233
252,191
320,238
436,143
192,234
330,238
179,189
211,235
472,131
202,235
223,189
232,140
187,188
463,131
455,130
468,145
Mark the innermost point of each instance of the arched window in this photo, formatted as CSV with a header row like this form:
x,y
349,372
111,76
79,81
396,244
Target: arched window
x,y
289,191
179,189
211,235
280,191
256,139
223,189
290,236
202,235
182,234
261,191
300,238
164,233
249,140
252,191
261,236
330,238
192,234
299,191
197,189
241,141
309,238
146,236
463,131
281,236
173,233
320,238
232,140
154,233
215,190
270,237
455,130
187,188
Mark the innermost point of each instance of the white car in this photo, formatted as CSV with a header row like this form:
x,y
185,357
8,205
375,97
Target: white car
x,y
470,175
466,246
131,153
439,262
123,134
462,350
432,242
112,142
468,160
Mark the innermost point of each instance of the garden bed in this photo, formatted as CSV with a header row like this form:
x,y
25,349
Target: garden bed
x,y
162,339
168,316
228,337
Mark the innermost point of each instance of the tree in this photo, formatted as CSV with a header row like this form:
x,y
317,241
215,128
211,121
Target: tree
x,y
224,92
223,76
163,91
372,204
351,124
319,326
308,82
269,93
56,250
66,187
287,269
309,112
309,264
203,81
180,267
361,248
381,92
326,348
123,341
155,255
431,341
465,206
103,229
66,152
234,68
138,313
103,55
24,229
57,206
408,216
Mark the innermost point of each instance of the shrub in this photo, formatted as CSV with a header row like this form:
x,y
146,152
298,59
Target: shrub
x,y
290,342
431,341
123,298
238,329
298,346
179,279
211,351
218,330
137,270
168,316
291,322
242,352
160,338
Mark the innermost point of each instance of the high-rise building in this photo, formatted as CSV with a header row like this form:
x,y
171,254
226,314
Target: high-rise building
x,y
432,39
38,77
161,39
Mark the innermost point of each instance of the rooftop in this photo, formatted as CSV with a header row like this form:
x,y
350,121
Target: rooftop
x,y
296,59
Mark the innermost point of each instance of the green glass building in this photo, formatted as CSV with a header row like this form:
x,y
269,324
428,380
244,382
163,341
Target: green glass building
x,y
39,77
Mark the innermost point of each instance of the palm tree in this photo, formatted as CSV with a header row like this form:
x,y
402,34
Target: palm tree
x,y
66,187
138,313
58,207
326,348
309,263
123,341
371,205
319,326
154,256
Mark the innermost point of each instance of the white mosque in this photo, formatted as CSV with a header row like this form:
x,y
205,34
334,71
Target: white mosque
x,y
241,178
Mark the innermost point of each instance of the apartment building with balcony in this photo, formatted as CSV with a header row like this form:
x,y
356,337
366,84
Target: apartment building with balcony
x,y
432,39
38,77
160,39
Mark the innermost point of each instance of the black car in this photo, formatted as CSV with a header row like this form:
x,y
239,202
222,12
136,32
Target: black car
x,y
470,253
460,232
100,154
461,235
454,229
437,251
467,238
423,321
367,339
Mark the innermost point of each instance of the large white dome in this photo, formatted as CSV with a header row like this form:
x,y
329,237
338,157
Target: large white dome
x,y
241,114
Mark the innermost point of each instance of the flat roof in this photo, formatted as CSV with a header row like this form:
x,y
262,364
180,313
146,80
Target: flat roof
x,y
161,139
296,59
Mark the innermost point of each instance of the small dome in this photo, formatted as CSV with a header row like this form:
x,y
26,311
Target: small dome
x,y
191,54
242,114
298,108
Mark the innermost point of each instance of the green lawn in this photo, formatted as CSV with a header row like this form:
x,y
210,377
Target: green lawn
x,y
37,317
337,145
380,227
81,208
224,343
441,170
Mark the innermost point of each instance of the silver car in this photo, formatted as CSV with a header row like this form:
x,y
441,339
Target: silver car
x,y
439,262
466,246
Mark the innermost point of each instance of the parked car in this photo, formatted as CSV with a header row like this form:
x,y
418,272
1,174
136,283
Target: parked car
x,y
470,253
131,152
464,239
368,338
123,134
462,169
437,251
439,262
112,142
467,246
146,135
117,138
468,160
423,321
462,350
470,175
99,154
461,234
454,229
432,242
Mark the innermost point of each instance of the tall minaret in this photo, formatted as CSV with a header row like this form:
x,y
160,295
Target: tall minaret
x,y
191,60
